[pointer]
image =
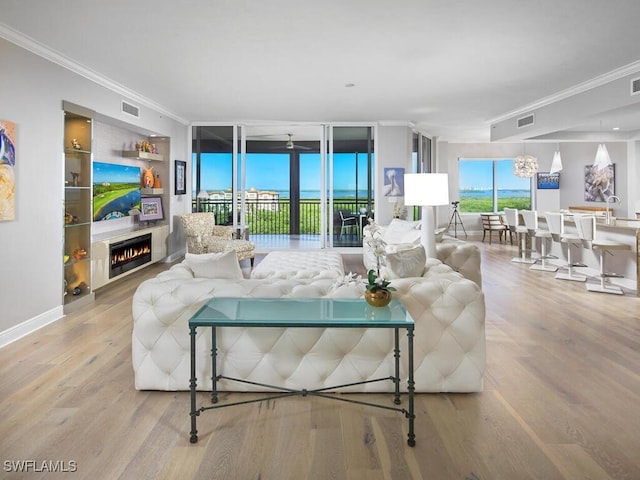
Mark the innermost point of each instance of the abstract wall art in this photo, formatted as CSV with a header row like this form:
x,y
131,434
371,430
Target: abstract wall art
x,y
599,185
7,169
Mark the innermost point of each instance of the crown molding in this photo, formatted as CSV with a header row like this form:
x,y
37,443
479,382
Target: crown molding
x,y
396,123
53,56
598,81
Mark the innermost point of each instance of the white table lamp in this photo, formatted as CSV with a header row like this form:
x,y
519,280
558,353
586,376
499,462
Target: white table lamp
x,y
427,190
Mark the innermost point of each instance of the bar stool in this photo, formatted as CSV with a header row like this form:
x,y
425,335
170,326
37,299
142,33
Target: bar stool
x,y
531,222
586,225
513,222
555,221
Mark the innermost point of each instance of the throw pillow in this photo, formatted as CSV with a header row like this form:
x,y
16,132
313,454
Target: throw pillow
x,y
408,262
439,233
214,265
402,231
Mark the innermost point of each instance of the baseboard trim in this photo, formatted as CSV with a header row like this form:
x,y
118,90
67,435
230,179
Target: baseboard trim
x,y
29,326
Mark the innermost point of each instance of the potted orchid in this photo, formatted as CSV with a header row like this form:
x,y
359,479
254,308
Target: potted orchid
x,y
378,290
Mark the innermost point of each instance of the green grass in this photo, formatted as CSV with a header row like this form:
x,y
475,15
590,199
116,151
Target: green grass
x,y
485,204
104,198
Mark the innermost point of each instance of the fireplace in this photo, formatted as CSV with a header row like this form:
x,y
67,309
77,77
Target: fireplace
x,y
129,254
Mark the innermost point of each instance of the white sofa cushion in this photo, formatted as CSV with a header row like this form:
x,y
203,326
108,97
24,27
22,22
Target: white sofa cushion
x,y
214,265
405,261
402,231
463,257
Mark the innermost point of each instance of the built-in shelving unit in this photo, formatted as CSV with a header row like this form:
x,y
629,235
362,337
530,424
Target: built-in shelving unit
x,y
155,157
152,191
76,255
96,254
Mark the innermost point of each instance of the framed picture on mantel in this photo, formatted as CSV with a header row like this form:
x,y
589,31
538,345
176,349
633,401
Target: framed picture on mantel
x,y
181,177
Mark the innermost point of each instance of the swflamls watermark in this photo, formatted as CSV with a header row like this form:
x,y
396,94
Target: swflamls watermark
x,y
49,466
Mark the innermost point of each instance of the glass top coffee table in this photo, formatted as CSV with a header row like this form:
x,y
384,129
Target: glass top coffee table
x,y
300,313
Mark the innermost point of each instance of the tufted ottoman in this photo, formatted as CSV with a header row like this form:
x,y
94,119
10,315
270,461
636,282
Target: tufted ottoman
x,y
300,264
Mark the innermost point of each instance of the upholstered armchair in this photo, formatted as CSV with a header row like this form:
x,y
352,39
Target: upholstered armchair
x,y
204,236
201,227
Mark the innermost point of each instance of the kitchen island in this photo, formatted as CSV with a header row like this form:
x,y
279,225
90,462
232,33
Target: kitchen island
x,y
621,230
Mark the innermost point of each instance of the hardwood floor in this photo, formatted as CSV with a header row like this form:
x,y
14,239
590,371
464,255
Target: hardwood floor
x,y
561,401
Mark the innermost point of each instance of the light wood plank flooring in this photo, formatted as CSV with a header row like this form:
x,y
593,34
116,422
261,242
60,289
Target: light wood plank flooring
x,y
561,401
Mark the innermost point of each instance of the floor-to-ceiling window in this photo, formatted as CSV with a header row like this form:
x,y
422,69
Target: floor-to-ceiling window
x,y
489,185
212,163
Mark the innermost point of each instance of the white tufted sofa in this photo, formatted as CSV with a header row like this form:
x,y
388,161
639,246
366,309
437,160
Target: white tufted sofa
x,y
449,345
461,256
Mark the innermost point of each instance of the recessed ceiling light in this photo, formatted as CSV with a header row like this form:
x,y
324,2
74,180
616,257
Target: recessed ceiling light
x,y
616,129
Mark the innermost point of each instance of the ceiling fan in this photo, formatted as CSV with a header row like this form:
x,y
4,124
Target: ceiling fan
x,y
291,146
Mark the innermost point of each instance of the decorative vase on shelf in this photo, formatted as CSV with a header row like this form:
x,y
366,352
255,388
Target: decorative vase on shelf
x,y
377,298
147,177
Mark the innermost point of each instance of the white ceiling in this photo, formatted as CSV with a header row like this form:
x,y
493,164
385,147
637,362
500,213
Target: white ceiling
x,y
449,67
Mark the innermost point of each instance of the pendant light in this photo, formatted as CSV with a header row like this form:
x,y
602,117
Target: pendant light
x,y
556,163
603,160
525,166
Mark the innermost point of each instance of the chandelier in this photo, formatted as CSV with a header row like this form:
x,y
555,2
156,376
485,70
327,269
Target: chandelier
x,y
525,166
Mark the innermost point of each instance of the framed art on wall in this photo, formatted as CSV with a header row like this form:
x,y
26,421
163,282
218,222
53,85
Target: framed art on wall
x,y
599,184
548,181
181,177
393,182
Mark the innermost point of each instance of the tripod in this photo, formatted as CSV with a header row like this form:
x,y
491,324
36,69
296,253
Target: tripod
x,y
455,219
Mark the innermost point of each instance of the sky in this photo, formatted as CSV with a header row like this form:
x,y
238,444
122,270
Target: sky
x,y
477,173
113,173
270,171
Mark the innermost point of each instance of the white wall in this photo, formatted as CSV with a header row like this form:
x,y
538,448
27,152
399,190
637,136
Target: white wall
x,y
393,150
575,155
31,93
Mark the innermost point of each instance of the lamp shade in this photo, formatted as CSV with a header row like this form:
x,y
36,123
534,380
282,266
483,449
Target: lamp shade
x,y
426,189
202,194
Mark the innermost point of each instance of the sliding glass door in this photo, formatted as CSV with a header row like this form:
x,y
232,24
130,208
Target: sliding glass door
x,y
350,189
307,180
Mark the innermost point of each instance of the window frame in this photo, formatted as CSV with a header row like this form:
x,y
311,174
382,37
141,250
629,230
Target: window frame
x,y
496,204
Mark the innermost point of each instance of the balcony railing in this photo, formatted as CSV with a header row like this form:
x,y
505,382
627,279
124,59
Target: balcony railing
x,y
274,216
